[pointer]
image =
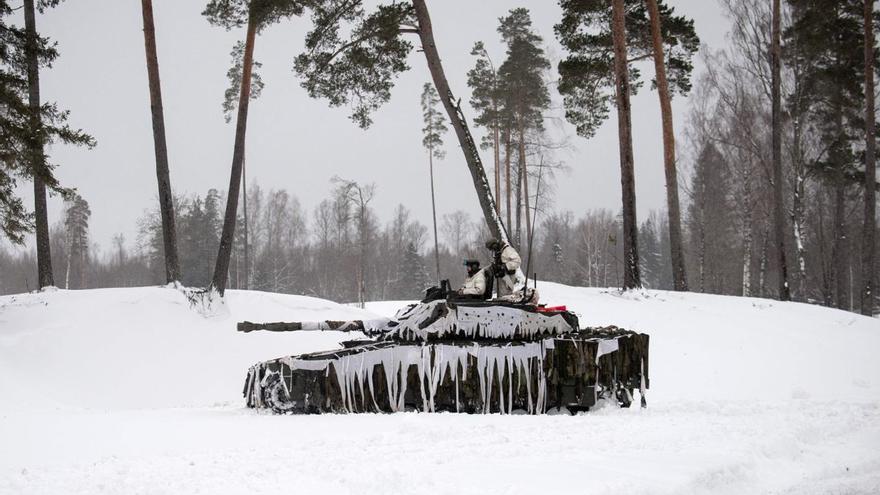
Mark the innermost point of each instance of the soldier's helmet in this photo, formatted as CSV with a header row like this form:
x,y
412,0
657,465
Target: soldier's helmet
x,y
471,263
493,244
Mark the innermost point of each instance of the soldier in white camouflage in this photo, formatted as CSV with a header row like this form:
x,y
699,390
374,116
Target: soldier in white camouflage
x,y
506,268
477,280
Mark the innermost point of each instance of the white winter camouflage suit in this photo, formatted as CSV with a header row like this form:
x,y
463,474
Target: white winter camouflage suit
x,y
474,286
513,279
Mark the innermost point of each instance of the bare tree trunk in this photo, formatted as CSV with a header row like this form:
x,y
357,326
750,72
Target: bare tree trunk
x,y
67,271
827,272
778,201
631,276
762,265
37,159
869,229
838,245
525,180
456,117
517,236
496,142
166,205
507,177
247,252
797,207
434,213
702,255
747,232
221,268
679,275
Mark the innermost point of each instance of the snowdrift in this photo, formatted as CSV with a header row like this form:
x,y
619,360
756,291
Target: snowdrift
x,y
126,391
145,347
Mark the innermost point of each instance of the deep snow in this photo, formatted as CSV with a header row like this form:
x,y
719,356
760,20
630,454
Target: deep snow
x,y
132,391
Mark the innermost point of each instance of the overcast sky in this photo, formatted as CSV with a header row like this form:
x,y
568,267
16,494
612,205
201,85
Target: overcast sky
x,y
295,142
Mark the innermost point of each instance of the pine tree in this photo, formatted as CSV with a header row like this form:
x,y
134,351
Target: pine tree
x,y
669,165
828,35
651,259
412,278
256,15
870,226
230,104
432,140
26,126
359,70
76,229
485,99
524,93
169,230
710,217
598,71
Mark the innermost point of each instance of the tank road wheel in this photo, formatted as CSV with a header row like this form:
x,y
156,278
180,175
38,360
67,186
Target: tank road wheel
x,y
275,396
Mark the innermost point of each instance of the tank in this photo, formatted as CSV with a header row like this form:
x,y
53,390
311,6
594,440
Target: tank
x,y
467,356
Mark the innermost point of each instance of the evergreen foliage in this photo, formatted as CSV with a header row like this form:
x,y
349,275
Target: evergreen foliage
x,y
230,96
485,97
21,146
829,38
587,73
524,93
76,228
412,278
357,70
435,122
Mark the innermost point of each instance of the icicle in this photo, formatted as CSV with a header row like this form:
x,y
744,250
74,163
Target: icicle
x,y
642,382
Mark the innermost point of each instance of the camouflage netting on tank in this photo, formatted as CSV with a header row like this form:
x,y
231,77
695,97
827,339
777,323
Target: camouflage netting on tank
x,y
569,370
443,320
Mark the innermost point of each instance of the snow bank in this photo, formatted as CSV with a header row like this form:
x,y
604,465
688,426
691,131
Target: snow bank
x,y
708,347
145,347
124,391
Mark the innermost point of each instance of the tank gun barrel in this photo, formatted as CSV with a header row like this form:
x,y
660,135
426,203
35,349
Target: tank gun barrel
x,y
368,327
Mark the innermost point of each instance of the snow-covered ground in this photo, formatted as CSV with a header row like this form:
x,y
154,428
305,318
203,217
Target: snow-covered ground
x,y
128,391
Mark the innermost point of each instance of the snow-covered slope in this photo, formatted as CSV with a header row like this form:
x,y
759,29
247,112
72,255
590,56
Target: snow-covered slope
x,y
132,391
145,347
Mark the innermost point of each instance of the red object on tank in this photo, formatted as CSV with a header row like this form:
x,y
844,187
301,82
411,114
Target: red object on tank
x,y
551,309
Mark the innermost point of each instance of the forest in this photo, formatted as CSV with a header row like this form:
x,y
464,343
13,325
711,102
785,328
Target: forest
x,y
770,177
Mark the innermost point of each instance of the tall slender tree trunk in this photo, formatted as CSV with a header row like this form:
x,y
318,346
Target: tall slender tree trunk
x,y
67,271
525,180
826,263
797,205
508,191
247,252
679,276
496,142
869,229
631,275
701,255
37,158
746,218
221,268
434,212
456,117
517,237
762,265
838,246
166,205
778,201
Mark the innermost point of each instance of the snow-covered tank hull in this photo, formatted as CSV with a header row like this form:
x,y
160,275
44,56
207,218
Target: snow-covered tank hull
x,y
473,357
